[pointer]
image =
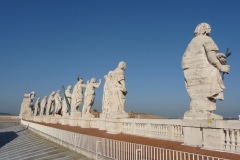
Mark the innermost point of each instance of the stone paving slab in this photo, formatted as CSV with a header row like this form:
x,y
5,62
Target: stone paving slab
x,y
19,143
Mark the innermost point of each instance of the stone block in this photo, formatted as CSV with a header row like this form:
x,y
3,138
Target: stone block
x,y
192,136
114,126
212,138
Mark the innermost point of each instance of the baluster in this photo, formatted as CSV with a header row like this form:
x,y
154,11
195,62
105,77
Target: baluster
x,y
237,141
180,132
232,138
227,140
223,136
173,131
164,128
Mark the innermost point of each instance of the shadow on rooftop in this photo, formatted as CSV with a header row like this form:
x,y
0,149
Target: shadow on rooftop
x,y
6,137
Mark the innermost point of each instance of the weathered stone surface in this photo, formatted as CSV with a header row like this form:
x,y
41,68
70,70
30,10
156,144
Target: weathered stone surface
x,y
37,107
212,138
89,97
27,105
50,104
69,97
77,97
201,66
58,102
43,104
114,93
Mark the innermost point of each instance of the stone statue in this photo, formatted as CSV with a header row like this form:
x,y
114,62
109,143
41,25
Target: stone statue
x,y
120,87
37,107
50,104
58,102
201,66
77,95
107,94
43,104
31,106
89,97
114,93
69,97
27,104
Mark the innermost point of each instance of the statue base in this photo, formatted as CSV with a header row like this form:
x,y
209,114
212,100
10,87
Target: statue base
x,y
102,123
85,122
113,126
193,115
74,118
118,115
64,120
88,115
48,119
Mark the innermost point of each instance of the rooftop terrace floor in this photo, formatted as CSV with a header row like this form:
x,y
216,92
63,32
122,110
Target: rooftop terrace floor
x,y
19,143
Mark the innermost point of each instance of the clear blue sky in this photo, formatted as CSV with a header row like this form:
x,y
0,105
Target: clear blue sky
x,y
46,44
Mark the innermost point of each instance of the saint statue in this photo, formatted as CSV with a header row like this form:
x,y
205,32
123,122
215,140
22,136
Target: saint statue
x,y
114,93
89,96
37,107
69,97
201,67
58,102
50,104
77,95
43,104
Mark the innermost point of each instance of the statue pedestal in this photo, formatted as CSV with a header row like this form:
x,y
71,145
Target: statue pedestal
x,y
48,118
203,133
85,122
88,115
193,115
74,119
102,123
35,118
40,118
44,118
64,119
54,119
114,126
119,115
103,115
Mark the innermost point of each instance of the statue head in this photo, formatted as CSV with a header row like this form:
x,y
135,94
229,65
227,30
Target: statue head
x,y
69,87
202,29
32,93
45,97
58,91
93,80
80,80
53,93
122,65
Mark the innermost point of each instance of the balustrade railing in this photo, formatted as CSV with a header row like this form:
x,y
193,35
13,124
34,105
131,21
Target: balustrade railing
x,y
160,129
120,150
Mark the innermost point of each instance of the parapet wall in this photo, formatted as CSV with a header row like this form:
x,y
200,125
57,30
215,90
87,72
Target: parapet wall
x,y
222,135
102,148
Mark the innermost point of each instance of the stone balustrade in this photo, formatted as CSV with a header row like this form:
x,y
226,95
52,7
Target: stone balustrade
x,y
155,128
222,135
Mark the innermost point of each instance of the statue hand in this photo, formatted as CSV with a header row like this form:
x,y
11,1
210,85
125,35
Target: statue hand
x,y
225,69
222,58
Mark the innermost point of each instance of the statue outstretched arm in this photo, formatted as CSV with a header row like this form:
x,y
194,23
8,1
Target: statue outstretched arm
x,y
212,57
84,85
97,85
